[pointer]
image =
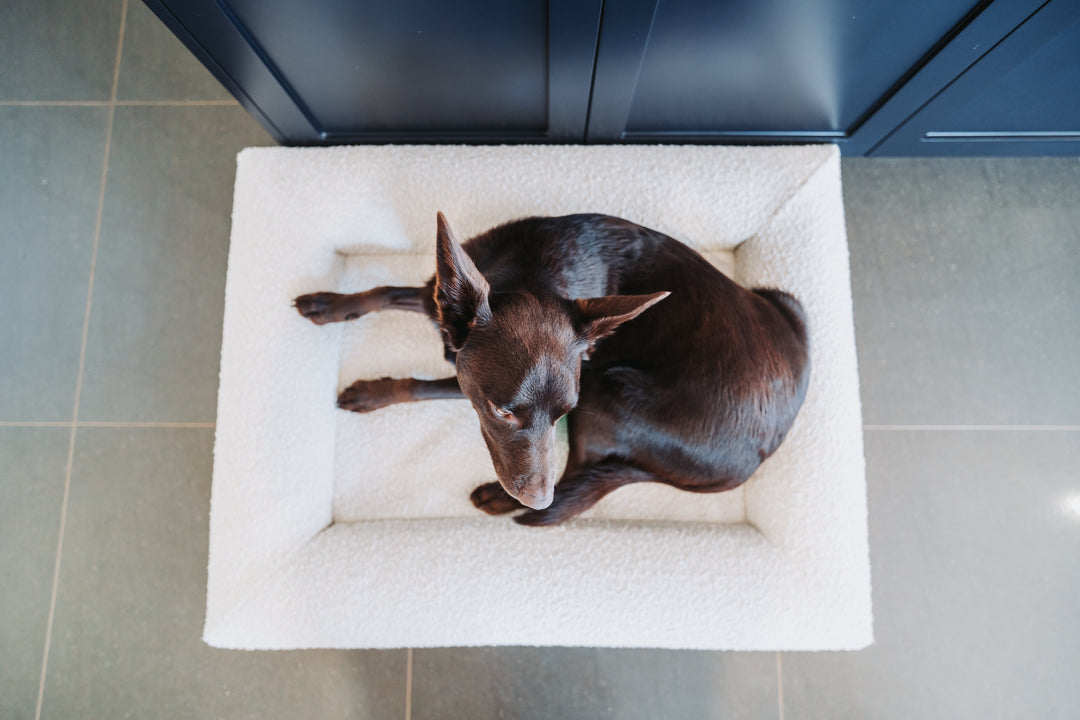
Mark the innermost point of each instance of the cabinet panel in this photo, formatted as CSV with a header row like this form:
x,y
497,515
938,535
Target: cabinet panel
x,y
926,77
410,65
769,67
1041,94
1021,98
328,71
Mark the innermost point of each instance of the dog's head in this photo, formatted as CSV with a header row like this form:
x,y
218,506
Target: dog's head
x,y
519,362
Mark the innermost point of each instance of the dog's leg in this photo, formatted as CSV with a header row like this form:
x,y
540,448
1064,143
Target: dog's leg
x,y
492,499
367,395
327,307
582,488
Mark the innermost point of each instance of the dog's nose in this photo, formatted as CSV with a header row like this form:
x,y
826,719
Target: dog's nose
x,y
536,500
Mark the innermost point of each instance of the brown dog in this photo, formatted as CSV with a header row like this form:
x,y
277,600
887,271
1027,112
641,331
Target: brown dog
x,y
694,393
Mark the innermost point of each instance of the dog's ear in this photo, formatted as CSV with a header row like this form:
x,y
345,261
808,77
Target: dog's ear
x,y
461,292
598,317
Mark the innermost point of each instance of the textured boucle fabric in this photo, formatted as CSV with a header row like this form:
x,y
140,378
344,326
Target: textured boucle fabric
x,y
334,529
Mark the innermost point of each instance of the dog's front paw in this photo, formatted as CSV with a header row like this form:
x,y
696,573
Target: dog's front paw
x,y
492,499
367,395
320,308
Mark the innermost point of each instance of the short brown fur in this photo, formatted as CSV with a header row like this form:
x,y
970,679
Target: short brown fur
x,y
545,317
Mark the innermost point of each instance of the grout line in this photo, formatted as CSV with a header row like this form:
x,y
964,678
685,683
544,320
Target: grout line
x,y
56,572
1038,428
119,103
82,364
408,684
54,103
780,683
176,103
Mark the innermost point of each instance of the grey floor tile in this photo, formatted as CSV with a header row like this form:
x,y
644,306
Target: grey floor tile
x,y
58,50
975,542
157,66
49,189
964,279
566,683
132,597
32,466
155,328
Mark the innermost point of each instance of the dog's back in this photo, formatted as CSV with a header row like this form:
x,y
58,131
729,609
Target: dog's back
x,y
699,390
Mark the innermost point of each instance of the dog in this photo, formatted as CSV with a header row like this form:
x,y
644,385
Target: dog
x,y
665,369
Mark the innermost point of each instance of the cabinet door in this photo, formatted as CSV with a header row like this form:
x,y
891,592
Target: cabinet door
x,y
1021,98
335,71
770,70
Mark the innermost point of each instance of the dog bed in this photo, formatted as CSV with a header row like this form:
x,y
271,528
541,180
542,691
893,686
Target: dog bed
x,y
335,529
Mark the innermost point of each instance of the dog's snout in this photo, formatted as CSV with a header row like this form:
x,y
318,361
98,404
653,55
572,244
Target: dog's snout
x,y
532,491
526,467
536,501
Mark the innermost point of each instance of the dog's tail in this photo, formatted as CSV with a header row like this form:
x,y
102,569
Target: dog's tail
x,y
789,307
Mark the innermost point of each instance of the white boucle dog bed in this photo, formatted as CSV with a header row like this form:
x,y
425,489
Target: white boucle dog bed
x,y
334,529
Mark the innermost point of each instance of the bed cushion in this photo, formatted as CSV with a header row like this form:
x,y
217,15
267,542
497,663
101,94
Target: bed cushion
x,y
335,529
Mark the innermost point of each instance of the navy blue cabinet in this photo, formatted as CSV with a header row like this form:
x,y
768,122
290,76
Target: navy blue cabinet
x,y
925,77
341,71
744,70
1021,98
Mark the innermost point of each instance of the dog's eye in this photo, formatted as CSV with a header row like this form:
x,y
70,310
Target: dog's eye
x,y
501,412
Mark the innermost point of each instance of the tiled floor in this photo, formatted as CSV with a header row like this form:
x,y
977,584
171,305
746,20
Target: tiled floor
x,y
967,304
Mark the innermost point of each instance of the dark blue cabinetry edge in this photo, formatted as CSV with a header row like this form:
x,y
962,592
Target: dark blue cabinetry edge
x,y
218,39
923,133
624,38
594,63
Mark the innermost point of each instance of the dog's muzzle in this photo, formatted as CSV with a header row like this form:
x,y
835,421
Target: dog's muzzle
x,y
532,491
536,501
